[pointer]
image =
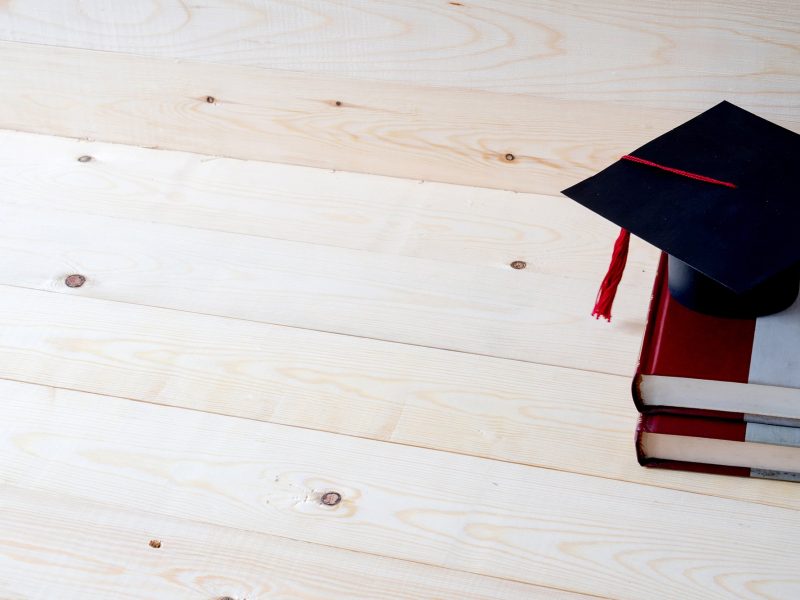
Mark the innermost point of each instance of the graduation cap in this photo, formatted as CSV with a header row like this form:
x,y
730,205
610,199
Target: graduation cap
x,y
719,195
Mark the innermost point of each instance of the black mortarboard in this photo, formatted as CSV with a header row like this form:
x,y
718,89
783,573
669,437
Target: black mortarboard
x,y
719,195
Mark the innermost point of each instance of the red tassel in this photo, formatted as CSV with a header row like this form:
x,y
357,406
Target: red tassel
x,y
608,289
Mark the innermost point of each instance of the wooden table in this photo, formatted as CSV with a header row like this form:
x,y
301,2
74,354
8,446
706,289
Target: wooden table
x,y
283,377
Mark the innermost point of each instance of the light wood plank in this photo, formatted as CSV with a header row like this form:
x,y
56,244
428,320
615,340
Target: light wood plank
x,y
534,525
461,224
68,549
663,54
484,310
457,136
508,410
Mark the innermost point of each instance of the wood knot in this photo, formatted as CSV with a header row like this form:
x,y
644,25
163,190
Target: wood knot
x,y
85,158
338,103
155,543
211,99
519,264
509,157
331,498
75,280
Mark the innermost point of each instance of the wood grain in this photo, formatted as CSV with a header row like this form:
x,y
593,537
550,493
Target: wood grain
x,y
459,224
456,136
508,410
533,525
72,549
530,97
662,54
483,310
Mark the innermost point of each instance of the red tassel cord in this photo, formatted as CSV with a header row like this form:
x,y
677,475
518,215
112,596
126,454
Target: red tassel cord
x,y
608,289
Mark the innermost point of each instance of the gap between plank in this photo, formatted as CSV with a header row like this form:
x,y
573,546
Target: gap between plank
x,y
395,443
157,516
325,331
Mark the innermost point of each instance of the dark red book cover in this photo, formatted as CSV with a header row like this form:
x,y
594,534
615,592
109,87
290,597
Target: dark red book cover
x,y
680,342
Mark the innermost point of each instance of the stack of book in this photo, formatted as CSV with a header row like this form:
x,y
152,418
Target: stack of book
x,y
718,395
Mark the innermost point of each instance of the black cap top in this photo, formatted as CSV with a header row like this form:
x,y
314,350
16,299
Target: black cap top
x,y
719,194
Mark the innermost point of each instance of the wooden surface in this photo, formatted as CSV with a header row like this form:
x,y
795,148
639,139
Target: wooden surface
x,y
507,141
299,283
661,53
235,354
463,513
73,548
507,94
436,134
469,225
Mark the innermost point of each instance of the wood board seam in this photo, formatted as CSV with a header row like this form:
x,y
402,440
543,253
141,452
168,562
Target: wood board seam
x,y
148,513
322,331
209,157
479,162
246,234
398,443
286,116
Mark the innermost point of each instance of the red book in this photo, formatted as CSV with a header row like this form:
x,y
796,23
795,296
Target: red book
x,y
698,364
724,447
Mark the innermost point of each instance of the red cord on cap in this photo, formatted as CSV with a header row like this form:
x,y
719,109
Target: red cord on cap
x,y
619,257
608,289
678,171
